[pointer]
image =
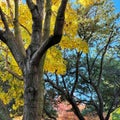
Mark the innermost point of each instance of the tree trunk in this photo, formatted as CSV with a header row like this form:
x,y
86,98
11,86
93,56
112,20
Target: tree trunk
x,y
107,117
101,117
33,91
75,108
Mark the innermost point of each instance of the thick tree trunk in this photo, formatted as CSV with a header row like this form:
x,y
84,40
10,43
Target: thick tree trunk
x,y
33,91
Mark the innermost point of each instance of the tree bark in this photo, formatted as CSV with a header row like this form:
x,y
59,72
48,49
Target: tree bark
x,y
75,108
33,91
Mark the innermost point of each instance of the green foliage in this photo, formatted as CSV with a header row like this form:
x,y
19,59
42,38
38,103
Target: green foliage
x,y
116,114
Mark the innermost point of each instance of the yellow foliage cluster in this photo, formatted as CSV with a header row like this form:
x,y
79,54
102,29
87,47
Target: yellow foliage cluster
x,y
69,39
25,19
77,43
71,23
15,92
87,3
15,89
55,62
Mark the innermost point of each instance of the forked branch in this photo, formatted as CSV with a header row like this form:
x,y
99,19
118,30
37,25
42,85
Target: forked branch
x,y
55,39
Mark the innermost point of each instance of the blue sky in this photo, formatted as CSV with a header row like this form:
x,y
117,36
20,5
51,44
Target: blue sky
x,y
117,5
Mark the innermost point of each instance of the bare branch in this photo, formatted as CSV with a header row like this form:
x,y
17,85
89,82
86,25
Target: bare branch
x,y
63,81
93,63
102,59
49,115
43,48
25,29
85,79
14,74
8,38
56,78
76,74
54,85
4,19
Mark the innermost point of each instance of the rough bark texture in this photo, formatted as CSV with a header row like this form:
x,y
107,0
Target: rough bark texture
x,y
33,96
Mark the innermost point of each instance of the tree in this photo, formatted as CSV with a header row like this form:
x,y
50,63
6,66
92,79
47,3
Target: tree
x,y
90,78
31,60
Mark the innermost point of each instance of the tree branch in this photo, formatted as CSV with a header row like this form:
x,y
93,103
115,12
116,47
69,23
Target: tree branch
x,y
14,74
18,37
30,4
60,18
55,39
37,17
102,59
25,29
93,63
56,78
8,38
9,7
4,19
76,74
40,4
55,86
2,37
46,29
63,81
